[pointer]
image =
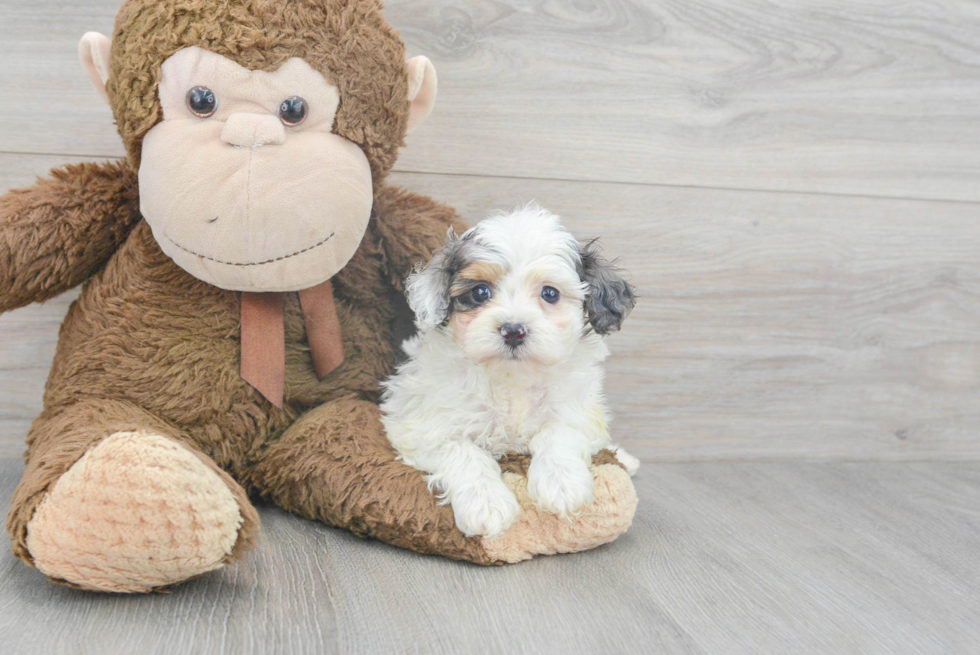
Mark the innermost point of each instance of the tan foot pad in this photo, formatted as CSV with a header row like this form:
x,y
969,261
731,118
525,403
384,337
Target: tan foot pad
x,y
138,511
537,532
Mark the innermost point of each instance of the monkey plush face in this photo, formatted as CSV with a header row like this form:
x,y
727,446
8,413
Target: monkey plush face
x,y
243,182
260,129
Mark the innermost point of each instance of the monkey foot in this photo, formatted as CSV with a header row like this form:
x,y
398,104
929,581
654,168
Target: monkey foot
x,y
137,512
537,532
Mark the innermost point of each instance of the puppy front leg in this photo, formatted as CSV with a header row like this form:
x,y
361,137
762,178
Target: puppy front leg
x,y
629,462
469,478
559,480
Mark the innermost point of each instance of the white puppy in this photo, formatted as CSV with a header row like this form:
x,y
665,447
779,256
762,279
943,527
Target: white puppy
x,y
511,317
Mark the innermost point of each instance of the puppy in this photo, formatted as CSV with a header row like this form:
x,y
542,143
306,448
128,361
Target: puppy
x,y
511,318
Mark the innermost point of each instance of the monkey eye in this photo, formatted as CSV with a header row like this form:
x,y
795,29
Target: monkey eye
x,y
550,295
292,111
480,294
201,101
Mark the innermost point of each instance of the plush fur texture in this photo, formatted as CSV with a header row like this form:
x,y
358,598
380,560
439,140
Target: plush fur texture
x,y
348,41
506,361
55,235
137,511
147,349
536,531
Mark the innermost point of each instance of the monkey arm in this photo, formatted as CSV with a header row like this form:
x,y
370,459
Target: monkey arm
x,y
410,227
56,234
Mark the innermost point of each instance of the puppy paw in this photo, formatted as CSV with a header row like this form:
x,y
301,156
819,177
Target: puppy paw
x,y
559,487
630,463
537,532
485,510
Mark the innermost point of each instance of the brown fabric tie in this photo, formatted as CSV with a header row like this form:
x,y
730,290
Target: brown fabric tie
x,y
264,337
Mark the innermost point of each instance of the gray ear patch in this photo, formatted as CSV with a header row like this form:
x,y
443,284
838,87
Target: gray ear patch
x,y
610,298
428,287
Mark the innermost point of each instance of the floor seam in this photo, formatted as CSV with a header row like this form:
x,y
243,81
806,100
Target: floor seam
x,y
664,185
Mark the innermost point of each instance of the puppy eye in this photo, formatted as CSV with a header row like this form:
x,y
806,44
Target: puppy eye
x,y
292,111
480,294
201,101
550,295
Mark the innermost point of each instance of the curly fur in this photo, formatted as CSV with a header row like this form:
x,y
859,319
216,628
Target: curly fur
x,y
469,394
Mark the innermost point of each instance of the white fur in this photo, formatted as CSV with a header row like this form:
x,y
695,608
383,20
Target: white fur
x,y
464,398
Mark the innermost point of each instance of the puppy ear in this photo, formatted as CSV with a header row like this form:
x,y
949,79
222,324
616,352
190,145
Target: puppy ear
x,y
428,287
609,298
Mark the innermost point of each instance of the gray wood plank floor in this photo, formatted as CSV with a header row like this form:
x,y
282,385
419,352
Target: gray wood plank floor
x,y
795,189
722,558
770,325
874,97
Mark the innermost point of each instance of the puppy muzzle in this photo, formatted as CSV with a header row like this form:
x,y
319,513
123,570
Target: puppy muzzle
x,y
514,335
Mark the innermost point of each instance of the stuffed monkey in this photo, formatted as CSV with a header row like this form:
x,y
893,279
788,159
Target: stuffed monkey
x,y
242,270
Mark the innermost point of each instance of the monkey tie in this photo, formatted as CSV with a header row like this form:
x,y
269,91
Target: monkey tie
x,y
264,338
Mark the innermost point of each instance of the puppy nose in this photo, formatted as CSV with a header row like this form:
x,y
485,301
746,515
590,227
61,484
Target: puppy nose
x,y
250,130
513,334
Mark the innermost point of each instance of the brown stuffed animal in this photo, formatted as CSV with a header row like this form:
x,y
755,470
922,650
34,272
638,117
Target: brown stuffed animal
x,y
243,268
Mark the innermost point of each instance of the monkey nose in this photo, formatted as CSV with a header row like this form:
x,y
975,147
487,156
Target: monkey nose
x,y
252,130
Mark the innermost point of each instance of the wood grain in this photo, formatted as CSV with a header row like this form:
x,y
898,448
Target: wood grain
x,y
867,98
722,558
776,325
770,325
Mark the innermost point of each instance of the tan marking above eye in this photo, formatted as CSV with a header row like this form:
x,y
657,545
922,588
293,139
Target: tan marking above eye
x,y
476,272
483,272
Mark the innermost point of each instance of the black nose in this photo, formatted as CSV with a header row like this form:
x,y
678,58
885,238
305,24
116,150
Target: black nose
x,y
513,334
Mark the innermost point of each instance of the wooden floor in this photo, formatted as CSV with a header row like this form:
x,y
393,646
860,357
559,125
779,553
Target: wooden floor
x,y
779,557
795,190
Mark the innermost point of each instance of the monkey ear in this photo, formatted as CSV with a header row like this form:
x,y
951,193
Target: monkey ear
x,y
609,298
422,84
93,50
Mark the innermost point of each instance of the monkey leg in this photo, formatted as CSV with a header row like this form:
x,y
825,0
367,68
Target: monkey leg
x,y
116,499
335,465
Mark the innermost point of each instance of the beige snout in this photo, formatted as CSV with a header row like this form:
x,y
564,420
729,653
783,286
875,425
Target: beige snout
x,y
252,130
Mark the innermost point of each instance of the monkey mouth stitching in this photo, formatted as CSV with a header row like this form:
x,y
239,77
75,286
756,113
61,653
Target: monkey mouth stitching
x,y
268,261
